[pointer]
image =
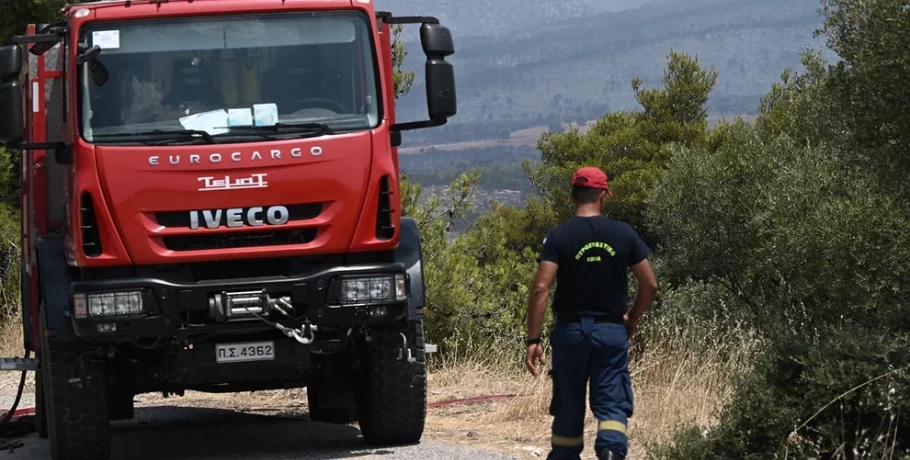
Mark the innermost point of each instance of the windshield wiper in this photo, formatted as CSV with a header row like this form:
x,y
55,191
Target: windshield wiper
x,y
191,133
315,128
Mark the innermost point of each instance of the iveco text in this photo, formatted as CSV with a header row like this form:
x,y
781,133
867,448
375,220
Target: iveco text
x,y
274,215
215,158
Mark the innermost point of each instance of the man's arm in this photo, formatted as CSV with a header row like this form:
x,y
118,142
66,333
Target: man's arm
x,y
647,290
537,300
537,305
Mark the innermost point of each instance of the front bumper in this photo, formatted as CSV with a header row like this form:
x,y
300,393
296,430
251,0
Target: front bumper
x,y
181,309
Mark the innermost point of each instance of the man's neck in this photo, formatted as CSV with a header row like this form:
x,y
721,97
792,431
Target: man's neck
x,y
588,211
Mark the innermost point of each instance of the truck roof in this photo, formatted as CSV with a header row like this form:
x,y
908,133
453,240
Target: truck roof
x,y
208,5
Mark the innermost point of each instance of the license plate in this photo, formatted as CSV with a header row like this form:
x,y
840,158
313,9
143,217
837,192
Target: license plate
x,y
240,352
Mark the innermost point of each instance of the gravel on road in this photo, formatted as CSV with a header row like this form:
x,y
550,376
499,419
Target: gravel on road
x,y
176,432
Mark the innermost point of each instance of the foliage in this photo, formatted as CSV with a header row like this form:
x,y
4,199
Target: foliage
x,y
9,178
791,236
770,220
756,213
478,301
18,13
402,79
870,82
9,234
804,219
631,147
9,261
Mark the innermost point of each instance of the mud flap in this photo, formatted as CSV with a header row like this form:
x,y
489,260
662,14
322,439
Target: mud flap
x,y
410,254
54,280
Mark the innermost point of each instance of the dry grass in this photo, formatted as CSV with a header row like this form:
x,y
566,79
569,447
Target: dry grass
x,y
673,385
11,344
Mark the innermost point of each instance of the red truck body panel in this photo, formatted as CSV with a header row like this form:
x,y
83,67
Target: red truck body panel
x,y
127,190
344,173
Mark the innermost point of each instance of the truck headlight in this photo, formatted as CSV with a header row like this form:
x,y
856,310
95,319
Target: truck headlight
x,y
373,289
108,305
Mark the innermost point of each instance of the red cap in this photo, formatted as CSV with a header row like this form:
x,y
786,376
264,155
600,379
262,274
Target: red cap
x,y
592,177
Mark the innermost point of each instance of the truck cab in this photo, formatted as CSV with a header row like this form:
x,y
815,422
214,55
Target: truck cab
x,y
210,202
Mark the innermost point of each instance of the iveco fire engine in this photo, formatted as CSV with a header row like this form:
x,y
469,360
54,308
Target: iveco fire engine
x,y
210,201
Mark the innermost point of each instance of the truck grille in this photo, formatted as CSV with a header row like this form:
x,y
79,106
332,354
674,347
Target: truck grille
x,y
239,239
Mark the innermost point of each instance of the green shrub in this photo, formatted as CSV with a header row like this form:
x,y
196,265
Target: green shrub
x,y
9,262
816,255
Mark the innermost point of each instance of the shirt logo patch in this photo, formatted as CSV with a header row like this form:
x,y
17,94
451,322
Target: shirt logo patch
x,y
594,245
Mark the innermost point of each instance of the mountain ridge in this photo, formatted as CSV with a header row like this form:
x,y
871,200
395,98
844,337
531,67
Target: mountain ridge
x,y
473,18
577,68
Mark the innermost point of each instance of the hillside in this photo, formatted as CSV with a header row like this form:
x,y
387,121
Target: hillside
x,y
616,5
580,67
491,18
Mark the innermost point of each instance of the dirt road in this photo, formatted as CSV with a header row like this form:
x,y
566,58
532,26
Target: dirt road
x,y
175,432
246,428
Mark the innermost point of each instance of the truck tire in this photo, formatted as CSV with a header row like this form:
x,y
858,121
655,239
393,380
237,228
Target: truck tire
x,y
334,415
40,406
392,406
75,381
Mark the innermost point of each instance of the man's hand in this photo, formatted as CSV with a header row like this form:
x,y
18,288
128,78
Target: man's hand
x,y
631,324
534,357
647,289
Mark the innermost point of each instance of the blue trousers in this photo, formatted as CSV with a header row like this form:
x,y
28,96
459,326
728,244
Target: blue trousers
x,y
596,353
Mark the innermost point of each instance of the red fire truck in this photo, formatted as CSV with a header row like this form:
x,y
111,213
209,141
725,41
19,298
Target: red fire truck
x,y
210,202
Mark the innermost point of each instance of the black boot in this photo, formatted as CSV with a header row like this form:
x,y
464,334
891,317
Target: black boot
x,y
607,454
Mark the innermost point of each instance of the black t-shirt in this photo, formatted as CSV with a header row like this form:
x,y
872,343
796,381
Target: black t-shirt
x,y
594,255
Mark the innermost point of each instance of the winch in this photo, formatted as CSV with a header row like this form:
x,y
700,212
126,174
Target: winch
x,y
248,305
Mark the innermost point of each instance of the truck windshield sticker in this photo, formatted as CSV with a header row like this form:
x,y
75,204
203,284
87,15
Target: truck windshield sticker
x,y
240,117
265,114
213,122
106,39
227,183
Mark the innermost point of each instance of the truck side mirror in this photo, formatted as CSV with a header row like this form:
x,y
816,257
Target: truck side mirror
x,y
11,116
10,62
437,43
440,75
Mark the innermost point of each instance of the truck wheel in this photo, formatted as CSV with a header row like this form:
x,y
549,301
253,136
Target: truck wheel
x,y
76,399
40,406
335,415
392,406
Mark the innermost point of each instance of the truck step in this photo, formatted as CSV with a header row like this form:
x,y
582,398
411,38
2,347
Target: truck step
x,y
18,364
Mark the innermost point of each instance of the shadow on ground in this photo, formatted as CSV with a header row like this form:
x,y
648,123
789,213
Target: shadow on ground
x,y
168,432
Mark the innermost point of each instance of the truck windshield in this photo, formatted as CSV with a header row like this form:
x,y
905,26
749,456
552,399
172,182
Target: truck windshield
x,y
220,73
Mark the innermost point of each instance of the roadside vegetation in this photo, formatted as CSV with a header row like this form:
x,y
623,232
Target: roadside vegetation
x,y
782,247
782,328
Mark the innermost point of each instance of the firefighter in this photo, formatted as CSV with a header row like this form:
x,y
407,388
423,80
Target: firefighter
x,y
589,256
